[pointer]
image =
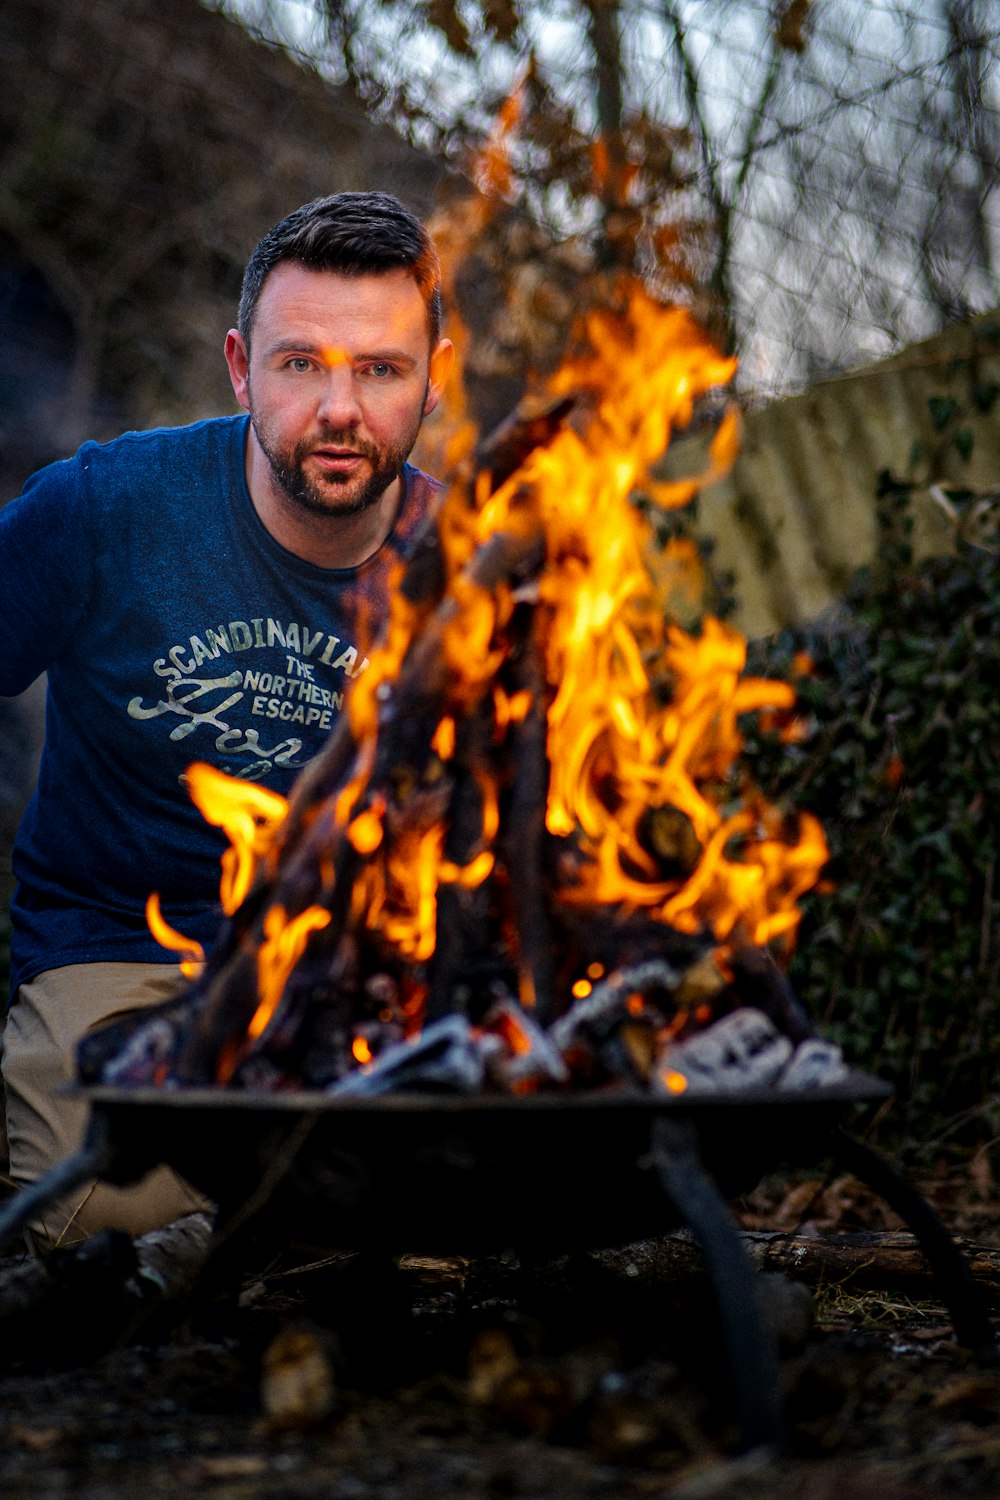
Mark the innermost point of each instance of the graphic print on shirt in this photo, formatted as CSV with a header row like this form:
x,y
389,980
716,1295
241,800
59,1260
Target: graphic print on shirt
x,y
288,691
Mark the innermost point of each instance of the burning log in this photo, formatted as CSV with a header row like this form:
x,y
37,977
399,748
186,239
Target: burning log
x,y
523,843
423,585
529,1056
461,931
443,1057
761,984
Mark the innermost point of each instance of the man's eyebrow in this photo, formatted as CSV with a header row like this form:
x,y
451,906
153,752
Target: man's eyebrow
x,y
395,356
294,346
330,352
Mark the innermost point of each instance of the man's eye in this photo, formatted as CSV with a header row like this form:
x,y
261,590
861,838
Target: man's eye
x,y
380,369
300,364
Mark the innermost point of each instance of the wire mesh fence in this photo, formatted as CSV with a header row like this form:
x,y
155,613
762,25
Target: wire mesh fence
x,y
818,178
833,165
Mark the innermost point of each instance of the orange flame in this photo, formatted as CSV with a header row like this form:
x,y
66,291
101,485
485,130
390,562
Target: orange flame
x,y
396,894
443,743
470,875
192,954
618,743
248,814
284,943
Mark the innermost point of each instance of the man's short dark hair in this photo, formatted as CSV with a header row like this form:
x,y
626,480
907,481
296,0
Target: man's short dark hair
x,y
354,234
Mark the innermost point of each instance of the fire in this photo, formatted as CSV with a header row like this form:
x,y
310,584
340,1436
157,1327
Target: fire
x,y
640,719
443,743
670,756
248,814
283,945
192,954
396,894
468,876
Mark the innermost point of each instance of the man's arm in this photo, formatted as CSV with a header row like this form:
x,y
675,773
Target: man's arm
x,y
46,572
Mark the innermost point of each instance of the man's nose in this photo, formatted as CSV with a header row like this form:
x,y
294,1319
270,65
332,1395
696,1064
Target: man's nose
x,y
338,405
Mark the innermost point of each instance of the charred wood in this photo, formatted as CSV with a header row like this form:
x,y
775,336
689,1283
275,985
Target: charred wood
x,y
505,449
219,1020
132,1048
461,962
463,911
442,1058
590,933
760,983
667,833
529,1053
319,866
524,837
307,1044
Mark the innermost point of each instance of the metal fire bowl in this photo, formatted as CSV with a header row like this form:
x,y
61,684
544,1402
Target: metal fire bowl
x,y
438,1173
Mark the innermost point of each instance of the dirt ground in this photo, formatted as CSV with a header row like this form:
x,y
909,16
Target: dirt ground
x,y
340,1377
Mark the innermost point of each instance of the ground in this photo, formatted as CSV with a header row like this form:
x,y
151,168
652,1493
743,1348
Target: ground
x,y
345,1378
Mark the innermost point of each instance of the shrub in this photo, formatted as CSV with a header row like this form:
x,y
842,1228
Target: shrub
x,y
899,959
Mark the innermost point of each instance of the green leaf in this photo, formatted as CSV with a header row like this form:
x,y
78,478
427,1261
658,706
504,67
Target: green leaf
x,y
942,409
964,439
984,394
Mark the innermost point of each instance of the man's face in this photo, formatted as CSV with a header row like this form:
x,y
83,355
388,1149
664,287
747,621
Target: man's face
x,y
338,379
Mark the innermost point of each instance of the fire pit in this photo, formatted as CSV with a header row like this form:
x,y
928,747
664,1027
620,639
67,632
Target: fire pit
x,y
538,1174
440,1174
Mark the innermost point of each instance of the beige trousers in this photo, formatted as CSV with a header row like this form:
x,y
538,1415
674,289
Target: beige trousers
x,y
47,1018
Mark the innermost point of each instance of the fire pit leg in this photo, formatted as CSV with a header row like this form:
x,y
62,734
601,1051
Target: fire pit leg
x,y
92,1160
955,1281
749,1344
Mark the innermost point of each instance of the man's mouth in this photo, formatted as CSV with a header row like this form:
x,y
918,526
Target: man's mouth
x,y
336,460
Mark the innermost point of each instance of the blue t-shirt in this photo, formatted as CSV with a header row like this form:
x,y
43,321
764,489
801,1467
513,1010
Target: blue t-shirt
x,y
173,628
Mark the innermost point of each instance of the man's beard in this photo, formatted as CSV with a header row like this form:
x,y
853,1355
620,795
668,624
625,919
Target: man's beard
x,y
334,494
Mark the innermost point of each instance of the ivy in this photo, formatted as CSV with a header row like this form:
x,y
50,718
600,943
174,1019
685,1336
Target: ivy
x,y
942,409
899,956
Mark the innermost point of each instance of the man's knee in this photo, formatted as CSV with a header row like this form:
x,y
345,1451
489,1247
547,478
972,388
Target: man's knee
x,y
45,1125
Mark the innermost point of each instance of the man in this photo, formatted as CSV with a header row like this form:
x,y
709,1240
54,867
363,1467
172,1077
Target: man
x,y
202,593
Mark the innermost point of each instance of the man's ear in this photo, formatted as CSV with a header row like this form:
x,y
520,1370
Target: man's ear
x,y
238,360
441,362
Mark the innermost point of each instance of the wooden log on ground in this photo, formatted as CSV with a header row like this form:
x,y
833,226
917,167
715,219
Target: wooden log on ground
x,y
78,1301
888,1262
884,1262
